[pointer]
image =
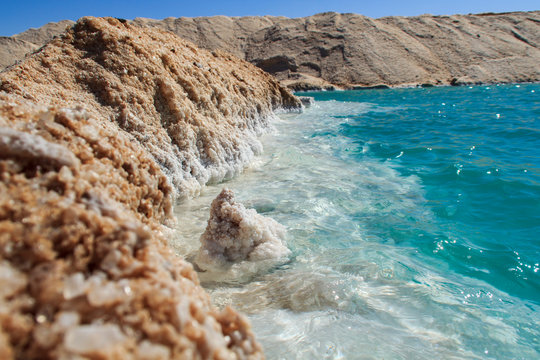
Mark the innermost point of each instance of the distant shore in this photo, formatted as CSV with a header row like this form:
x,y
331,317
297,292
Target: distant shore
x,y
405,86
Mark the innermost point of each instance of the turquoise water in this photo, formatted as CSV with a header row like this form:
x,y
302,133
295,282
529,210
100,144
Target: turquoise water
x,y
414,220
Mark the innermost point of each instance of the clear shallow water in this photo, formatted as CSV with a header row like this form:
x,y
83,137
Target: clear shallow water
x,y
414,220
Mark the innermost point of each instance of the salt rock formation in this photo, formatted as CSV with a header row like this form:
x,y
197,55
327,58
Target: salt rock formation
x,y
197,113
87,125
236,234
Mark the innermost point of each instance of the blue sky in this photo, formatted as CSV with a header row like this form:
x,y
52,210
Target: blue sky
x,y
19,15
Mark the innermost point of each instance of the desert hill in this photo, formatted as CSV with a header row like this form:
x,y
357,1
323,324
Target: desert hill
x,y
348,50
14,48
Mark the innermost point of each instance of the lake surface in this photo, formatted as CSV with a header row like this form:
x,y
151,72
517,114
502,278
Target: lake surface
x,y
413,216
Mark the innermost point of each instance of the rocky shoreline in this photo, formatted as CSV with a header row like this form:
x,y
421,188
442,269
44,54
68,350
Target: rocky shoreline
x,y
101,130
103,126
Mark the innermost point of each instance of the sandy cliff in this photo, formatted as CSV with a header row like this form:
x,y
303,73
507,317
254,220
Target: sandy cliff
x,y
15,48
100,130
348,50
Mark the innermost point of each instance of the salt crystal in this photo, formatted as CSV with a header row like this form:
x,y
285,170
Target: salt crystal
x,y
20,144
87,339
214,337
105,294
124,285
44,336
110,261
182,311
65,175
151,351
74,286
67,319
11,279
89,132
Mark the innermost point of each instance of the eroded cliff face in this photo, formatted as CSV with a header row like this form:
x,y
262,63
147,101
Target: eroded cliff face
x,y
15,48
96,131
347,50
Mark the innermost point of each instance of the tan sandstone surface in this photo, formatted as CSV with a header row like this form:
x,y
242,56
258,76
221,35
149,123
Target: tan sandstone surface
x,y
347,50
100,131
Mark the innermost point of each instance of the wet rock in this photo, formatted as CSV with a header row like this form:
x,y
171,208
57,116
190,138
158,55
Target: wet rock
x,y
236,234
307,100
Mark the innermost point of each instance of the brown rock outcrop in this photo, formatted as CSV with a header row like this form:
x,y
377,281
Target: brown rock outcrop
x,y
346,50
87,125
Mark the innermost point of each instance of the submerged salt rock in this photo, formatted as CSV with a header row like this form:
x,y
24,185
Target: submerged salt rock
x,y
236,234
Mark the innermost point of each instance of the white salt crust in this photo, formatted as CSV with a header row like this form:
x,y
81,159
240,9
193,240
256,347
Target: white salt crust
x,y
238,242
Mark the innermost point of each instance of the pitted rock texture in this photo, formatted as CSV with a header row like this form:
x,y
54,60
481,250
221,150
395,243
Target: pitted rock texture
x,y
198,113
92,129
348,50
85,270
